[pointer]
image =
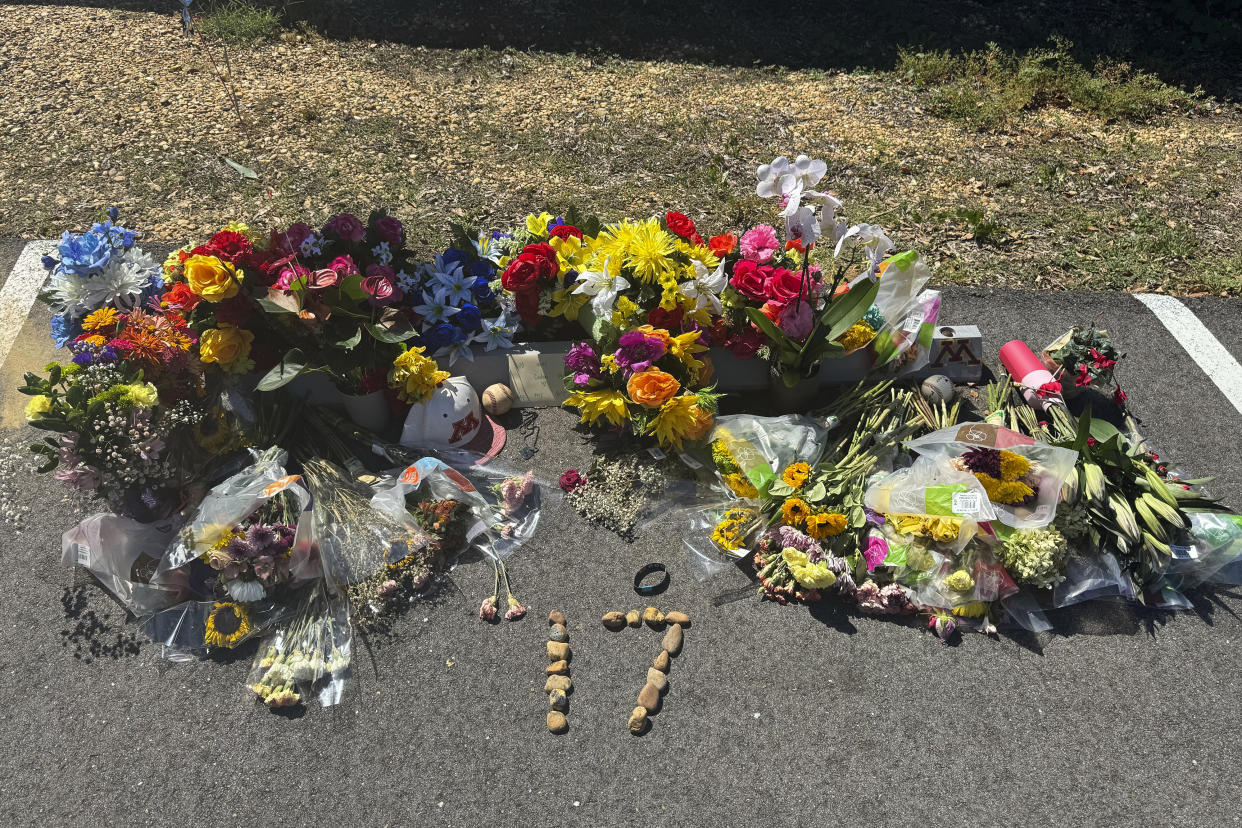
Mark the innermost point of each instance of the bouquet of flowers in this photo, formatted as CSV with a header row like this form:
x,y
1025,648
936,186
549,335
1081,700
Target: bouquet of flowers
x,y
101,268
644,381
1088,357
540,264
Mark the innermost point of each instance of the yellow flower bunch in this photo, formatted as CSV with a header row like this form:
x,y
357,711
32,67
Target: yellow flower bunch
x,y
1004,491
825,525
936,527
859,334
695,253
795,474
414,376
740,485
1013,465
606,404
679,419
794,511
722,457
960,581
103,319
732,529
807,574
643,246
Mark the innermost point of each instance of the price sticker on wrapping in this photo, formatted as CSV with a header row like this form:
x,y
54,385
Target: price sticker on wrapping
x,y
82,554
967,504
914,322
689,460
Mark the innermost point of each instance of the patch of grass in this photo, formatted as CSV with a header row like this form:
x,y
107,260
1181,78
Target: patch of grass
x,y
984,230
1148,254
985,89
238,21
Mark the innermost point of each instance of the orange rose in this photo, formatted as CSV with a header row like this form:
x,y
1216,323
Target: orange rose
x,y
703,421
652,388
707,371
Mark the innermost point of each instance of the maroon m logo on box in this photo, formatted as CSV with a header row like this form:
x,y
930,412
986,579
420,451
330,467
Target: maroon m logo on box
x,y
954,351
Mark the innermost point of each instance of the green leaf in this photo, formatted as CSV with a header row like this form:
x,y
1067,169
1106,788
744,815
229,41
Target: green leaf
x,y
244,172
350,342
274,307
54,374
1103,430
398,331
52,424
851,307
351,286
815,494
778,337
284,372
780,488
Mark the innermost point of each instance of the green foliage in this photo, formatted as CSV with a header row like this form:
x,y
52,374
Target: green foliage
x,y
238,21
985,89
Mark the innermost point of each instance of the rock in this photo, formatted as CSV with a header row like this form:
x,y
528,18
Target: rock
x,y
562,683
654,676
653,617
561,668
661,662
638,721
614,620
649,697
672,640
558,651
634,618
677,618
557,723
556,617
558,633
557,700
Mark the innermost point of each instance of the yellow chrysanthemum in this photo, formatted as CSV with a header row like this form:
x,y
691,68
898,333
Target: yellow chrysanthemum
x,y
102,319
1013,465
677,418
538,225
227,624
143,394
613,242
594,406
414,376
859,334
698,254
794,511
807,574
740,485
795,474
960,581
649,250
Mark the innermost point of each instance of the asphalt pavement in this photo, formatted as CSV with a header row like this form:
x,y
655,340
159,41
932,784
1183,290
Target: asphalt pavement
x,y
790,715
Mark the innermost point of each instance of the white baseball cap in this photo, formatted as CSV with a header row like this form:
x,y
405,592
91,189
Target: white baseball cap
x,y
452,419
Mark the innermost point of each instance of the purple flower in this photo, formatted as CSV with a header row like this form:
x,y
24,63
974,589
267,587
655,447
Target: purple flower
x,y
240,548
261,536
637,351
346,227
388,229
84,358
787,536
264,567
582,357
876,552
298,233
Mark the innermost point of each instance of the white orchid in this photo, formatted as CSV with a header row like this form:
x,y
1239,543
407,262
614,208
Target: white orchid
x,y
312,245
872,239
496,333
602,287
781,178
434,310
803,226
705,287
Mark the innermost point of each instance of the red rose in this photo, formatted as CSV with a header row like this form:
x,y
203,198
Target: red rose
x,y
668,320
537,263
545,257
235,311
783,286
722,245
230,246
562,231
389,229
680,224
749,280
180,296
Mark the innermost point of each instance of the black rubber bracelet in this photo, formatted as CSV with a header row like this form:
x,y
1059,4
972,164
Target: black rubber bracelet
x,y
651,589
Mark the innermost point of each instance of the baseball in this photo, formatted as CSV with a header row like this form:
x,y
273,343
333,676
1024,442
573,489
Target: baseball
x,y
938,389
498,399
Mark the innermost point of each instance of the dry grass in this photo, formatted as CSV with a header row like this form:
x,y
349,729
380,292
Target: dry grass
x,y
137,116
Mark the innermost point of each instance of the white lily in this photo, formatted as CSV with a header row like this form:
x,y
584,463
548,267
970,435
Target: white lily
x,y
459,350
454,286
705,287
602,287
434,310
496,333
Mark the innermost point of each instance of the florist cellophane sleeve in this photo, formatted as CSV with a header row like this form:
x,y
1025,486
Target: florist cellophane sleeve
x,y
123,555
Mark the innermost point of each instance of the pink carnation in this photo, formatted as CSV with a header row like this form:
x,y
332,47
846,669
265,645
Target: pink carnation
x,y
759,244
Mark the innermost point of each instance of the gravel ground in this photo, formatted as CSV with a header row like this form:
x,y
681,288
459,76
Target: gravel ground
x,y
773,714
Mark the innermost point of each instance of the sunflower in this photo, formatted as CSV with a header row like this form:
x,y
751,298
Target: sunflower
x,y
227,624
648,251
794,511
796,474
825,525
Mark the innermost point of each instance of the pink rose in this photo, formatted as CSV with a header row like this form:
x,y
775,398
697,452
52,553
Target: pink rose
x,y
748,280
796,320
343,266
346,227
388,229
783,286
759,244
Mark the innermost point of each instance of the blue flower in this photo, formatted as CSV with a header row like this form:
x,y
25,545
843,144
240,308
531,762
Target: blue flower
x,y
83,358
84,255
108,354
556,222
438,336
49,263
116,235
481,269
64,329
482,290
497,235
458,336
113,213
454,257
470,319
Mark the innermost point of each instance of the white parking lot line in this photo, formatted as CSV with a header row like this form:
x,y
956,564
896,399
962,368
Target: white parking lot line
x,y
20,291
1204,348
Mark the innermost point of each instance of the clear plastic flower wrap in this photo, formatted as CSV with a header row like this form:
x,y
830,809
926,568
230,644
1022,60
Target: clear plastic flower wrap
x,y
930,488
1212,553
1022,477
192,628
718,535
307,654
749,451
124,554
